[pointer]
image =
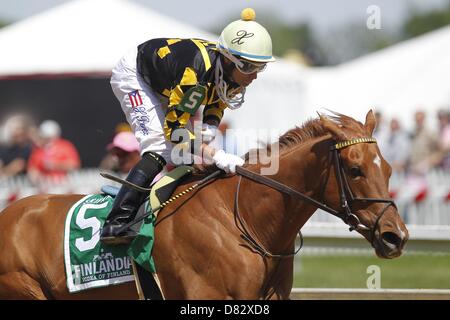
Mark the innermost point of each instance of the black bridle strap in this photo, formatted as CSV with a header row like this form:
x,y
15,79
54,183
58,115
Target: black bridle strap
x,y
345,189
285,189
340,181
379,218
350,192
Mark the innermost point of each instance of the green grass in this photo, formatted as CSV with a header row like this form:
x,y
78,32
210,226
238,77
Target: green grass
x,y
345,271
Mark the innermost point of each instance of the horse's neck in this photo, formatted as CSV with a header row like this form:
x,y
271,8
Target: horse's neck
x,y
275,217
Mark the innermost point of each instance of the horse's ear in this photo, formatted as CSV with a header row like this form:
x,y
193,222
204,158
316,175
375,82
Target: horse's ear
x,y
371,122
333,128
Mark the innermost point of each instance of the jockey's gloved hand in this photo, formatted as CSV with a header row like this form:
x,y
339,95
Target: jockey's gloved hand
x,y
227,161
208,132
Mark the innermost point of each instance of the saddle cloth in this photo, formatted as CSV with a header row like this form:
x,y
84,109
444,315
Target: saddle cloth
x,y
91,264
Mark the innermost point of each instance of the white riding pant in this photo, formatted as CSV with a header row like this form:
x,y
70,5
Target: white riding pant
x,y
146,112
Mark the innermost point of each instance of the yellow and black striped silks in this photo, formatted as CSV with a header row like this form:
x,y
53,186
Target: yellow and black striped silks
x,y
183,71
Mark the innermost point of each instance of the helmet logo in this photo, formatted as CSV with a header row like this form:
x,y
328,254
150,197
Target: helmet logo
x,y
241,34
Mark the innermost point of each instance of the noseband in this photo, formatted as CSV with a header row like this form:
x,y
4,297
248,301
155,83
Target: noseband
x,y
347,198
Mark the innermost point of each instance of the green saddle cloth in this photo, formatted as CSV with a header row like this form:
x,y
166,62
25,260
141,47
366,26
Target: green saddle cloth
x,y
90,263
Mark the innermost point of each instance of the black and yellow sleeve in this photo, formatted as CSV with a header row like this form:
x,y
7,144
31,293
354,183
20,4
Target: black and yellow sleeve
x,y
214,112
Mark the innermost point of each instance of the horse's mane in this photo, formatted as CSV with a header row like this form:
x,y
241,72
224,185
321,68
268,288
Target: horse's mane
x,y
313,129
310,129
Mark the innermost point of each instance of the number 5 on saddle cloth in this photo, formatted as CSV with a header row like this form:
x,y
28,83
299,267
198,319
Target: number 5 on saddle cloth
x,y
91,264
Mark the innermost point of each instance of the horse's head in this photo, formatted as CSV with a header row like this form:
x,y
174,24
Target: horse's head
x,y
359,187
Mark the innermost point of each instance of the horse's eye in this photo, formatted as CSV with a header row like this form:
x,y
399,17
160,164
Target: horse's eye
x,y
356,172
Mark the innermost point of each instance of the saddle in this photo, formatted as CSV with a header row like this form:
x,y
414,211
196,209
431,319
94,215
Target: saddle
x,y
160,192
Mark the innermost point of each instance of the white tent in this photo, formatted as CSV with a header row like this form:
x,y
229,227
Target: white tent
x,y
83,36
397,81
274,101
89,36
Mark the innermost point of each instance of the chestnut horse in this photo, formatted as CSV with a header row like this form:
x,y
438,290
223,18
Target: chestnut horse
x,y
212,246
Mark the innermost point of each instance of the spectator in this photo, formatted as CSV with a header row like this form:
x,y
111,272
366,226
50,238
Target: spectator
x,y
54,156
123,153
17,149
397,147
444,137
110,161
425,153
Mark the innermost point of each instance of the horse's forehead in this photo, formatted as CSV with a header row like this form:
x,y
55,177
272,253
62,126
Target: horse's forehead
x,y
355,131
365,152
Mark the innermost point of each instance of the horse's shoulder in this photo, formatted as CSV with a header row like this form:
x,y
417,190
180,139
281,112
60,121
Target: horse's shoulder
x,y
44,201
53,197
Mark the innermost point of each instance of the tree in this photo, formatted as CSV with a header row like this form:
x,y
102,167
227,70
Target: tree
x,y
419,23
3,23
297,36
353,40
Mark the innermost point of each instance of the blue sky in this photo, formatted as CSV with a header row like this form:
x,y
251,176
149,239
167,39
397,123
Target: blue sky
x,y
323,14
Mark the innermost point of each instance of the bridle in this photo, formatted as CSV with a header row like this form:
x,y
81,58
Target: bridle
x,y
347,198
346,214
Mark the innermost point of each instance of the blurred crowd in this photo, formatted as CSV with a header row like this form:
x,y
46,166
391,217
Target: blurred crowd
x,y
419,150
44,156
38,151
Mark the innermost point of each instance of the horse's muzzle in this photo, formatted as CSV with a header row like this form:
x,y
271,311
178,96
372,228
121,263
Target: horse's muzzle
x,y
390,244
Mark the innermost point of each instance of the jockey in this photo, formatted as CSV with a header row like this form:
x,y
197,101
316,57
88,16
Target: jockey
x,y
160,85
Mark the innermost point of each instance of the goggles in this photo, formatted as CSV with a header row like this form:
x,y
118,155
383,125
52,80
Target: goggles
x,y
247,67
244,66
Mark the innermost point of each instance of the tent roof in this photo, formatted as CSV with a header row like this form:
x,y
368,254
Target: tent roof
x,y
83,36
397,81
88,37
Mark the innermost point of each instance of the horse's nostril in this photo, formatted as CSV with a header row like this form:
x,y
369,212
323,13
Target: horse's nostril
x,y
390,238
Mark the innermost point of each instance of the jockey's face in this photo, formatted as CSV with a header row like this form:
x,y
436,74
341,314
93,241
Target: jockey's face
x,y
243,79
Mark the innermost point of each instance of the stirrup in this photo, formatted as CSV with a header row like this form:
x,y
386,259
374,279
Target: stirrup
x,y
111,237
120,239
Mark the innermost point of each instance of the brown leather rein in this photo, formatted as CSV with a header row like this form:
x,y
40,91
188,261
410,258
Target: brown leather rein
x,y
347,198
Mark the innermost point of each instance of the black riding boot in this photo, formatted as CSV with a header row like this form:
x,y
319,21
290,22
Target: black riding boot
x,y
128,200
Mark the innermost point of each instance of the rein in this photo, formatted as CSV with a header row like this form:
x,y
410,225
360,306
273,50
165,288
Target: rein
x,y
346,199
254,242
